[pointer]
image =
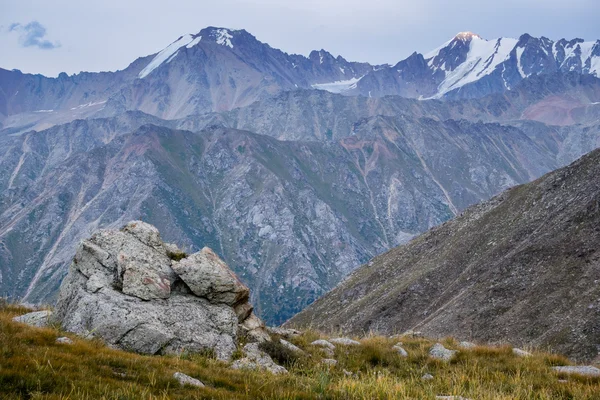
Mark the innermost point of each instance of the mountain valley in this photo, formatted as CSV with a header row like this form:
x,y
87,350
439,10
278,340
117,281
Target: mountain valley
x,y
296,170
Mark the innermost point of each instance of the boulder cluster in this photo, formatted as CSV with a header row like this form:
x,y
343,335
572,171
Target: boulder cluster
x,y
137,293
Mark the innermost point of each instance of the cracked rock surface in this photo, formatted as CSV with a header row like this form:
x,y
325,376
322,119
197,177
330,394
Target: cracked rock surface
x,y
124,288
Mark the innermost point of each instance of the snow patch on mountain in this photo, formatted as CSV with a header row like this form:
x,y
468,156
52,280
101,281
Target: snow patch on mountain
x,y
194,42
337,86
223,37
165,55
482,59
519,53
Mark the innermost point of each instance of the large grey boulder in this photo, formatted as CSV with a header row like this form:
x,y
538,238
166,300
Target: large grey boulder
x,y
123,287
38,319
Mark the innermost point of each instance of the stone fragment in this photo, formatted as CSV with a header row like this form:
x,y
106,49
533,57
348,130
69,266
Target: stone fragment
x,y
64,340
439,352
285,332
584,370
184,379
344,341
257,359
400,350
38,319
323,343
521,353
291,346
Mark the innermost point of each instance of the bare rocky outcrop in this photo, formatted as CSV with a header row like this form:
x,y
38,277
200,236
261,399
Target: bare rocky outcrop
x,y
124,288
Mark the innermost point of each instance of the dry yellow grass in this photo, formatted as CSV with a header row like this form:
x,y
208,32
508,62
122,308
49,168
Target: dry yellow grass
x,y
33,366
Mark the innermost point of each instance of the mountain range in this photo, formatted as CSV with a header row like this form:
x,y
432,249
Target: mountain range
x,y
294,169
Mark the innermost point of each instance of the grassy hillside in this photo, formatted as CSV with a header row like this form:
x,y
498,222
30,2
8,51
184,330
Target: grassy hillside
x,y
34,366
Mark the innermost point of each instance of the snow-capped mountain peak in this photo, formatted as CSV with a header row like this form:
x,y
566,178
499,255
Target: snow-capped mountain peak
x,y
466,36
221,36
467,58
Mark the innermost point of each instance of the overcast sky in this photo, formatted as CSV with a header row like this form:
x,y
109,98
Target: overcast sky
x,y
50,36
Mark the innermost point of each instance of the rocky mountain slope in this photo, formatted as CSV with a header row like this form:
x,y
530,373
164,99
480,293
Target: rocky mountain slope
x,y
566,100
408,165
292,218
522,267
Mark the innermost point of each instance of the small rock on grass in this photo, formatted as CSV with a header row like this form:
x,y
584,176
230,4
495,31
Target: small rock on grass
x,y
291,346
257,359
400,350
64,340
427,377
38,318
285,332
439,352
329,361
521,353
184,379
585,370
327,351
323,343
344,341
